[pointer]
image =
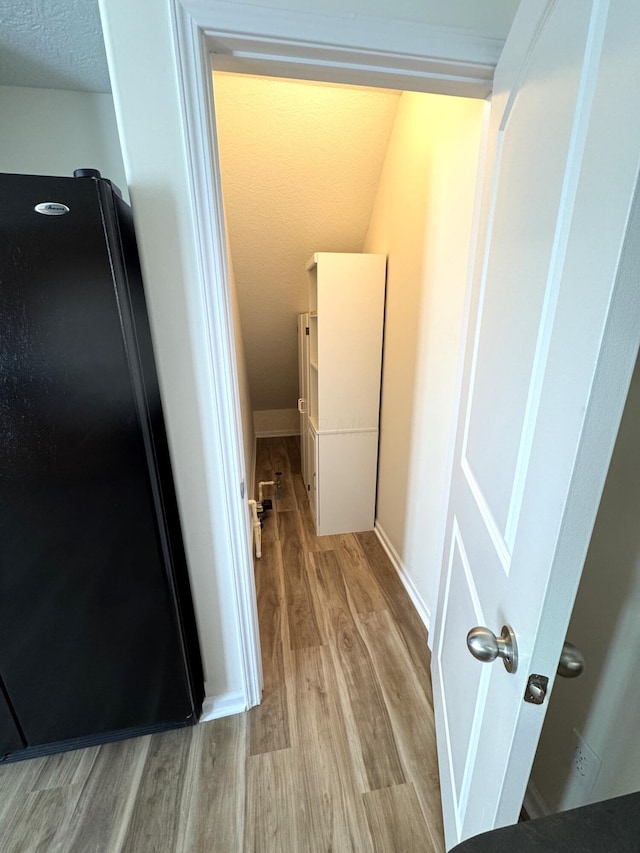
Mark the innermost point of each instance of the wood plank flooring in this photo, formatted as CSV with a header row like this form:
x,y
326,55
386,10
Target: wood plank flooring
x,y
340,755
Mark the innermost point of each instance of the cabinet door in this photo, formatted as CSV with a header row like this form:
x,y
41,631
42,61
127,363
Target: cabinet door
x,y
313,468
346,481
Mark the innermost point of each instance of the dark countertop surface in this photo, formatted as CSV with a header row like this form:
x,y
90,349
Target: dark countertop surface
x,y
611,826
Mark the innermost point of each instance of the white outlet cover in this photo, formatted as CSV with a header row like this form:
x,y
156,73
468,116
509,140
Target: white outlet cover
x,y
585,763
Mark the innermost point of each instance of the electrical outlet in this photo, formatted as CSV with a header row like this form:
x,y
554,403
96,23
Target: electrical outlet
x,y
585,763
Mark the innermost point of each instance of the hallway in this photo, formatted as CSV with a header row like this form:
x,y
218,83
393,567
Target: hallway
x,y
342,748
340,755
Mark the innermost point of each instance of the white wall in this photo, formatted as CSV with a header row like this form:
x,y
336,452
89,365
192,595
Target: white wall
x,y
49,132
604,703
271,422
422,220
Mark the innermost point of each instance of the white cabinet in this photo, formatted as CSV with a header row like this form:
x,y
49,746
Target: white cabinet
x,y
303,399
346,312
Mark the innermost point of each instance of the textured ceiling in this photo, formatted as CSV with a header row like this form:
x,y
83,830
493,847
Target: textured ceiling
x,y
52,44
300,167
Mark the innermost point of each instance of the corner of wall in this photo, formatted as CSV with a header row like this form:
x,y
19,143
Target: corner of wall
x,y
53,132
423,610
223,705
276,422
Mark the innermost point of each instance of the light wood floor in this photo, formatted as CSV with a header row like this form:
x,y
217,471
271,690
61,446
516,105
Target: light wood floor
x,y
340,755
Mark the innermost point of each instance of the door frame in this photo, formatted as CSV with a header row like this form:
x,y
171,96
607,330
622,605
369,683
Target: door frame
x,y
365,51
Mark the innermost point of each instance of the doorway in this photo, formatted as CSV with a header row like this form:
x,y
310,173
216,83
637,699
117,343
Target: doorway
x,y
420,185
389,52
405,164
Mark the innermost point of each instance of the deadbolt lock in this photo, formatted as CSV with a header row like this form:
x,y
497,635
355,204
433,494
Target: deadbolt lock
x,y
536,689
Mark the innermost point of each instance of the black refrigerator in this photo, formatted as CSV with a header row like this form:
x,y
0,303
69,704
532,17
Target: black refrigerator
x,y
97,632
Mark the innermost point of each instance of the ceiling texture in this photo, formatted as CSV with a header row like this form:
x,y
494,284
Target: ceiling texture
x,y
52,44
300,166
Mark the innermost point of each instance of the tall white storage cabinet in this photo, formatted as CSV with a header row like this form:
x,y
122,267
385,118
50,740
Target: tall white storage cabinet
x,y
346,314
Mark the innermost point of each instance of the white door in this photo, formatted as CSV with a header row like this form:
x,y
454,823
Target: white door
x,y
552,336
303,391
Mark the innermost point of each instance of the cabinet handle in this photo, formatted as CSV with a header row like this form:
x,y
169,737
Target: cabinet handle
x,y
301,406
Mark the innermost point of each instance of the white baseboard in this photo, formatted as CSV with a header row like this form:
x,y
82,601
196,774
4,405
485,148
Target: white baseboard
x,y
534,802
224,705
423,611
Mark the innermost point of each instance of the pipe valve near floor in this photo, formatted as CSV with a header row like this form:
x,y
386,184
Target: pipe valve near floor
x,y
259,507
263,483
256,525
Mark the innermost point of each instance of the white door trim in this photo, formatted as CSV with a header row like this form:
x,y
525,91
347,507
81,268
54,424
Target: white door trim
x,y
364,50
223,417
370,51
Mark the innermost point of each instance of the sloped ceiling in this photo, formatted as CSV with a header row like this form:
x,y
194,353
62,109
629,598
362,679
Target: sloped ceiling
x,y
53,44
300,167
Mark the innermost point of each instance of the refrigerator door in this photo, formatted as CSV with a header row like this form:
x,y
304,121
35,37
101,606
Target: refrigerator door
x,y
90,637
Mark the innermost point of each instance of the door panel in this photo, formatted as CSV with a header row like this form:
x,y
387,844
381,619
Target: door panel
x,y
461,676
552,337
522,266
